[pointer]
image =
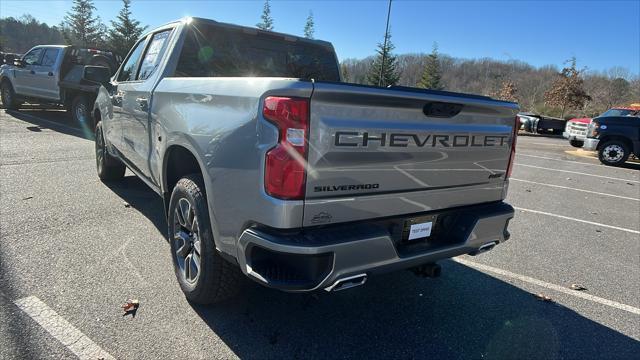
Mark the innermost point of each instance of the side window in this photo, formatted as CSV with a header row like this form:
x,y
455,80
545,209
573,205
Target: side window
x,y
33,57
50,56
128,72
154,53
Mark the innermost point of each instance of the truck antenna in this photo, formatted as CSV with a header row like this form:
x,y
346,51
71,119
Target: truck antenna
x,y
384,48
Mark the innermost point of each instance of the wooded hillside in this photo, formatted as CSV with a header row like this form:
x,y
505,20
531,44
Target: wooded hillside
x,y
617,86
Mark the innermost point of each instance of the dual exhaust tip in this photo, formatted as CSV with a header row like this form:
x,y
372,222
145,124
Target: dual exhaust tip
x,y
430,270
348,282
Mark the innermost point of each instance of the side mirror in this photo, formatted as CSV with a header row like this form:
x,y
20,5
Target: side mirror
x,y
98,74
18,63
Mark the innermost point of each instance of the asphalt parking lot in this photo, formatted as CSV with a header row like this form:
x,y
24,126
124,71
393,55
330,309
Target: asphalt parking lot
x,y
71,253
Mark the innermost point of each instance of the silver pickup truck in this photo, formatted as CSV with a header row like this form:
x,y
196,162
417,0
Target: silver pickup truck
x,y
270,167
56,74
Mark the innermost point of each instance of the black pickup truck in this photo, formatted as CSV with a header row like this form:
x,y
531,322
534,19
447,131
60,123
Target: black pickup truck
x,y
615,135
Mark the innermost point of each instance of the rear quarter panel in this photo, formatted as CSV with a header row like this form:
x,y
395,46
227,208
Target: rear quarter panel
x,y
219,120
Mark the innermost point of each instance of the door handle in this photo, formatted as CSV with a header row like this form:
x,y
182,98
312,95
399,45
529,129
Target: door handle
x,y
50,73
143,103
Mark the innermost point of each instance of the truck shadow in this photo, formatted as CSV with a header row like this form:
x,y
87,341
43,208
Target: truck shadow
x,y
57,120
464,314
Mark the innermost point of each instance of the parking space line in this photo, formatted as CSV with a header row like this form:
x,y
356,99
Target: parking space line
x,y
72,338
576,162
579,220
575,189
547,144
577,173
550,286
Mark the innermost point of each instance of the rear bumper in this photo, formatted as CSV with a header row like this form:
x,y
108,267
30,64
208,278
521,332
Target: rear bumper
x,y
315,258
590,144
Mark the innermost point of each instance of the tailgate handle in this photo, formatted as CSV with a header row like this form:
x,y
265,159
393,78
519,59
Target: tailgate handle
x,y
441,109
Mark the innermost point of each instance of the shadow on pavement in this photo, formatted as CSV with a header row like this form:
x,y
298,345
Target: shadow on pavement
x,y
56,120
139,196
464,314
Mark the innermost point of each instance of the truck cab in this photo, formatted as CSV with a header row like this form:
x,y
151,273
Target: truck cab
x,y
615,135
37,73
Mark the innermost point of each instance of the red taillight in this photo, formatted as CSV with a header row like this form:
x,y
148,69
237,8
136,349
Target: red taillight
x,y
285,175
512,157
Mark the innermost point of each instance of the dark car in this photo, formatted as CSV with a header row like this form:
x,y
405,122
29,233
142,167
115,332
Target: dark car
x,y
615,135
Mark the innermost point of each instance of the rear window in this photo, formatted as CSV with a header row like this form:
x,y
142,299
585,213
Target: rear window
x,y
215,51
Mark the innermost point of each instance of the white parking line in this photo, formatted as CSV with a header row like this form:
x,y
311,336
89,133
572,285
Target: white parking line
x,y
546,144
577,162
72,338
550,286
579,220
577,173
575,189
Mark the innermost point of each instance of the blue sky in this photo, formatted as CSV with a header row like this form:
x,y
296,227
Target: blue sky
x,y
601,34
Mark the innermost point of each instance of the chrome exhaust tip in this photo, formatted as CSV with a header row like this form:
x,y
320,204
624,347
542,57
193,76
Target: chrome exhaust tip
x,y
484,248
348,282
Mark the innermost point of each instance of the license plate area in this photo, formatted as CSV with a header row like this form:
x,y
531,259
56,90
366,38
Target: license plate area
x,y
419,229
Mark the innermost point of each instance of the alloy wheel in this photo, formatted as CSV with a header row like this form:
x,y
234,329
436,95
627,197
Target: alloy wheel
x,y
187,240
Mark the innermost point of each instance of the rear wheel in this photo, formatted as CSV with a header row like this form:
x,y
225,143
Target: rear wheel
x,y
204,276
81,111
613,153
108,167
576,143
8,96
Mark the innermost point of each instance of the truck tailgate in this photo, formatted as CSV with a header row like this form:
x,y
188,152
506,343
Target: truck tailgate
x,y
377,152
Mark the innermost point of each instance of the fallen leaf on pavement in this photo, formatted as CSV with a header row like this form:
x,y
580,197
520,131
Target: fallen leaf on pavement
x,y
131,305
127,205
543,297
578,287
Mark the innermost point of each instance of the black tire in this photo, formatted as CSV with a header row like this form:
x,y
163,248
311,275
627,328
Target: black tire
x,y
613,153
108,167
216,279
80,111
576,143
8,96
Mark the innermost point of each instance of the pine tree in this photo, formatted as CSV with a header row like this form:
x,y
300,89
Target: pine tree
x,y
385,63
309,27
84,29
567,91
124,30
267,20
432,76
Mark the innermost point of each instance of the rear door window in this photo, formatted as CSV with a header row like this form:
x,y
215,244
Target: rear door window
x,y
130,67
153,55
50,56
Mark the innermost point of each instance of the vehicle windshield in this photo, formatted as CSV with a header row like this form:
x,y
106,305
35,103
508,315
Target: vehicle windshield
x,y
218,51
620,112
